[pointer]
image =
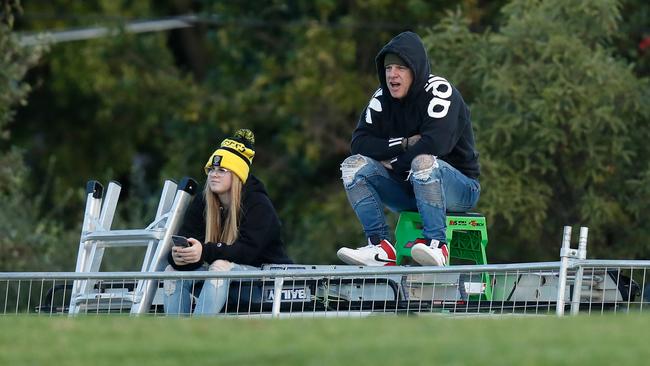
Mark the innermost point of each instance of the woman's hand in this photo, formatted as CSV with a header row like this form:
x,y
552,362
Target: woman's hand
x,y
190,254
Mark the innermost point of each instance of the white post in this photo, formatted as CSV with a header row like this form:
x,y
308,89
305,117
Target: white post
x,y
94,194
277,296
577,284
564,264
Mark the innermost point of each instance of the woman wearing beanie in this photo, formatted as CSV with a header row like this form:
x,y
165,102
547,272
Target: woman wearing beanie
x,y
232,226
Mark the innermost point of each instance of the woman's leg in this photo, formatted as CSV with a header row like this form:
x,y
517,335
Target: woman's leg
x,y
215,292
177,297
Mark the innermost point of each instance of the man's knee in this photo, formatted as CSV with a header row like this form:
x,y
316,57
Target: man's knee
x,y
426,180
423,166
351,167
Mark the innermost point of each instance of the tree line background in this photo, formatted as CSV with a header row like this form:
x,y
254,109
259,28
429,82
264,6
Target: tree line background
x,y
558,91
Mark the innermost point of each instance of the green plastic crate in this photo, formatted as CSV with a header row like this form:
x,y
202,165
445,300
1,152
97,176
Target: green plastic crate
x,y
466,234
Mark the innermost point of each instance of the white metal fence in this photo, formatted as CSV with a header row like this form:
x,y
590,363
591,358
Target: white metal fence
x,y
591,286
573,283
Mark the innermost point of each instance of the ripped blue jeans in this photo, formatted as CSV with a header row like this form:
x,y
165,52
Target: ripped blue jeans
x,y
211,294
433,188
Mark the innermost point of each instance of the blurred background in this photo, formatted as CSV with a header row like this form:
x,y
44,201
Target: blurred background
x,y
558,90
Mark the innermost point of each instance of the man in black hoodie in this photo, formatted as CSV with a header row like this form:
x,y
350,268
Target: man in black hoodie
x,y
412,149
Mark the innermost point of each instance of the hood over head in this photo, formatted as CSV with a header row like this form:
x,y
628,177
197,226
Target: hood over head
x,y
409,47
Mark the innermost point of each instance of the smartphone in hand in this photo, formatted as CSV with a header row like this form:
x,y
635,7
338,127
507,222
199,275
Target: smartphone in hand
x,y
180,241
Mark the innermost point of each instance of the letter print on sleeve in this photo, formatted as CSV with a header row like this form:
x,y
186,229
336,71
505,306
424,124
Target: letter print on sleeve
x,y
375,105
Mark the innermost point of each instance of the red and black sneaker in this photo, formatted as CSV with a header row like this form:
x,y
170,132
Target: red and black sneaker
x,y
382,254
430,252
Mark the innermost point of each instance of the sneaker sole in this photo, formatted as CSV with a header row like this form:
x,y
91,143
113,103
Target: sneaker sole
x,y
423,257
349,260
353,261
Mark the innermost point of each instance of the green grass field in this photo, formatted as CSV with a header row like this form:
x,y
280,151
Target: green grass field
x,y
425,340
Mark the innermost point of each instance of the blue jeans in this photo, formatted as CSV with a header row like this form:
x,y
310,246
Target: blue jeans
x,y
432,188
212,294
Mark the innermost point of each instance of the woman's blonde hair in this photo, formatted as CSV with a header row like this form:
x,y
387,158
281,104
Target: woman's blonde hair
x,y
216,230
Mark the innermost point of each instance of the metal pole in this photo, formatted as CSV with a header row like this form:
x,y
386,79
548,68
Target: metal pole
x,y
156,25
577,285
166,201
564,264
186,189
277,292
94,196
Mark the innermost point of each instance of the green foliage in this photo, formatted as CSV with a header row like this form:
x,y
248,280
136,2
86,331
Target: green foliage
x,y
14,63
559,112
560,124
119,111
631,41
28,236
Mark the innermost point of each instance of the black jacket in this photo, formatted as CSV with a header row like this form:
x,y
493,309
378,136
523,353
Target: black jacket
x,y
258,241
432,108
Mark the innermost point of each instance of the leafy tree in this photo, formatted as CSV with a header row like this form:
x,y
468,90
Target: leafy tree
x,y
557,109
118,104
560,126
633,40
28,236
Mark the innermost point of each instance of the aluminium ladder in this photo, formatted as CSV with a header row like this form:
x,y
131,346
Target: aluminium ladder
x,y
96,236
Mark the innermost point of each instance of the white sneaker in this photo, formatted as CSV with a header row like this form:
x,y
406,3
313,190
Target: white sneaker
x,y
382,254
427,253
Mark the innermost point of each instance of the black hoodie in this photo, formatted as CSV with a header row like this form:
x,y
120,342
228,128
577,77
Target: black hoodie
x,y
258,241
432,108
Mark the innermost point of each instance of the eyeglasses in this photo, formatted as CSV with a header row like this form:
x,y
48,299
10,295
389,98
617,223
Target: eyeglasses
x,y
218,171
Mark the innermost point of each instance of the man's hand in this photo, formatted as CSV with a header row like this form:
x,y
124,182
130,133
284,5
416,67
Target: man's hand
x,y
191,254
406,143
412,141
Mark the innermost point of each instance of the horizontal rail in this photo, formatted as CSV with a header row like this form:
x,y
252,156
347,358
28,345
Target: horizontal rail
x,y
352,271
342,271
610,263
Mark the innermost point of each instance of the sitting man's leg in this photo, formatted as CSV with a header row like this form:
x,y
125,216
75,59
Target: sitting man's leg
x,y
438,187
368,186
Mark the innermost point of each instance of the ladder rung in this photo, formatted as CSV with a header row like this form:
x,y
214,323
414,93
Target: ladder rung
x,y
124,235
123,296
116,243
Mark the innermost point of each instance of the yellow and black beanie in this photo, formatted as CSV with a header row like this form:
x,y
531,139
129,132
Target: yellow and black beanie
x,y
235,154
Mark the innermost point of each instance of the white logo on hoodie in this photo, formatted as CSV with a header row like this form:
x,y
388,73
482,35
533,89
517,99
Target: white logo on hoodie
x,y
439,96
375,105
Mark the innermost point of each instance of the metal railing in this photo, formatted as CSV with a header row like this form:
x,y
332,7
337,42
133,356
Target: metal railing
x,y
573,283
293,291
